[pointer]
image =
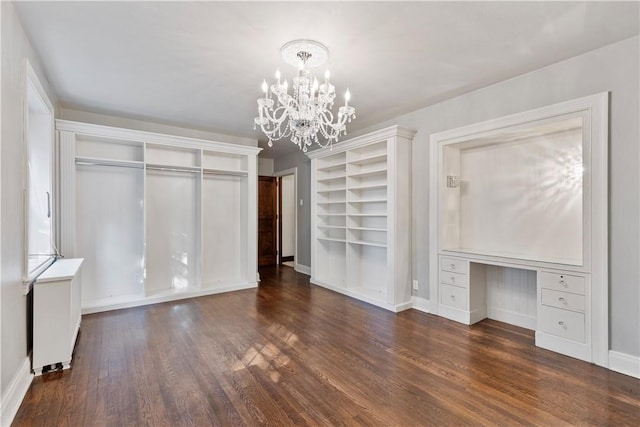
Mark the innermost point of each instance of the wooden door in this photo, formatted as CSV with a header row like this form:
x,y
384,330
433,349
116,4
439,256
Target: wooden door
x,y
267,216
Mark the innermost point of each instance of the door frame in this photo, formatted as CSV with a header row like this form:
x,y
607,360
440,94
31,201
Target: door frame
x,y
279,174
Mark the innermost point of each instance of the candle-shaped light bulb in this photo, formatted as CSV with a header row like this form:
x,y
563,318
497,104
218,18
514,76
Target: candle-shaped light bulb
x,y
264,86
278,76
286,85
314,88
347,97
327,74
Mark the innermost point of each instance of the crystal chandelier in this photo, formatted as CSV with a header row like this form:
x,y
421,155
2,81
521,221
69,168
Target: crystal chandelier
x,y
306,112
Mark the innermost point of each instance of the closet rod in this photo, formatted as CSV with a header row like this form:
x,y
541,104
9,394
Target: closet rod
x,y
162,168
230,173
84,163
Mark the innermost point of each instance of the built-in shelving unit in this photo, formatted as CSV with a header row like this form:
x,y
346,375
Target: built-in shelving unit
x,y
156,217
361,218
525,195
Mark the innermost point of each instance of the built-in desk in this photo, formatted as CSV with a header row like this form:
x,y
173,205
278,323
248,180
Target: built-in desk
x,y
563,300
527,192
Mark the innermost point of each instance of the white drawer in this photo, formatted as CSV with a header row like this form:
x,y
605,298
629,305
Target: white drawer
x,y
562,282
454,265
453,296
562,299
562,323
456,279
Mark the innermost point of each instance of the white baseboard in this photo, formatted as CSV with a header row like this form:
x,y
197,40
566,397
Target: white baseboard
x,y
304,269
624,363
421,304
512,318
107,304
15,392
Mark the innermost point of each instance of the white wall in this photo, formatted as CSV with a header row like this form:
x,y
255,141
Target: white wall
x,y
15,48
613,68
288,216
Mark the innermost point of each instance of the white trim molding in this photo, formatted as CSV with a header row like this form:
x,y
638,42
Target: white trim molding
x,y
624,363
304,269
421,304
13,396
153,137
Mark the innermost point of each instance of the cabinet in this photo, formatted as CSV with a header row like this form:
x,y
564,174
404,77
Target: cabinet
x,y
563,312
156,217
361,204
56,314
459,300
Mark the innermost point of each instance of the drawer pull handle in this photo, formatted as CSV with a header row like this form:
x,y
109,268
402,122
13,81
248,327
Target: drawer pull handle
x,y
561,323
453,279
563,283
562,300
453,297
453,266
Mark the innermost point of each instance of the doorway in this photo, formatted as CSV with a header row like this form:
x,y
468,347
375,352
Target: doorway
x,y
278,219
286,220
287,244
267,216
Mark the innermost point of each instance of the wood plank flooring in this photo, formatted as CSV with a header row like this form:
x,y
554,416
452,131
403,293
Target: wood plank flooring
x,y
291,353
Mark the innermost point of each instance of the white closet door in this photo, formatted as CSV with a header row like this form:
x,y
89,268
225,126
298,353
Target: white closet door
x,y
172,231
109,206
224,211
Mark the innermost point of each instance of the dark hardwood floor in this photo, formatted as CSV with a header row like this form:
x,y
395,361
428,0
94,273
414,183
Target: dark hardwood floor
x,y
291,353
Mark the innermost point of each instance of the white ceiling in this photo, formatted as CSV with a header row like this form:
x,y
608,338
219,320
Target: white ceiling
x,y
200,64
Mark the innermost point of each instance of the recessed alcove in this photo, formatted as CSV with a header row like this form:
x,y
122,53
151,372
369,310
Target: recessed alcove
x,y
516,192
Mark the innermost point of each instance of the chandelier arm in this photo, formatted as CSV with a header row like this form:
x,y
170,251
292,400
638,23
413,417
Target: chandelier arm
x,y
273,127
331,130
272,118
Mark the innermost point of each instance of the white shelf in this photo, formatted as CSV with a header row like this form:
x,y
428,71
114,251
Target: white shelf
x,y
332,214
368,214
332,239
332,179
339,227
368,229
376,172
333,167
368,243
333,202
375,158
94,161
331,190
369,187
380,200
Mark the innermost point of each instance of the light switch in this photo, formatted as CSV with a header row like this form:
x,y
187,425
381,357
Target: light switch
x,y
301,202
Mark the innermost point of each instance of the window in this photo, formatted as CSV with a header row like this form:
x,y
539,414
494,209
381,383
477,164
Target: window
x,y
38,141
